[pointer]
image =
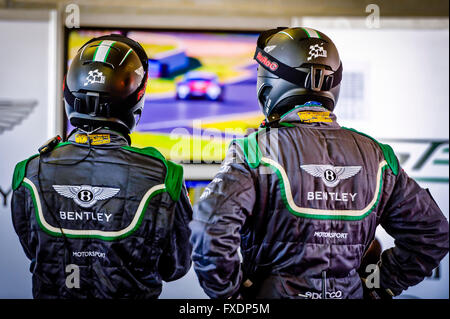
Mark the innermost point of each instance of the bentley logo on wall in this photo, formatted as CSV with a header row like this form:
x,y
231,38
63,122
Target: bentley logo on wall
x,y
13,112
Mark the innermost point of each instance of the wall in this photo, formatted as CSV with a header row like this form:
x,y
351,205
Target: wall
x,y
26,121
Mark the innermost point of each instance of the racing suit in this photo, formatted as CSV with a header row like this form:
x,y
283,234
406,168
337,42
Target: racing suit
x,y
302,201
98,218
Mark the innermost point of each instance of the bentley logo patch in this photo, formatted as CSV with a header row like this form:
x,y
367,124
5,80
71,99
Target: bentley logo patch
x,y
331,175
85,195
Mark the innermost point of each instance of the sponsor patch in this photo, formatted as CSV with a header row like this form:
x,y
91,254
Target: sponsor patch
x,y
338,197
95,76
271,65
85,195
316,51
96,139
317,295
331,175
97,254
323,234
85,216
269,48
313,117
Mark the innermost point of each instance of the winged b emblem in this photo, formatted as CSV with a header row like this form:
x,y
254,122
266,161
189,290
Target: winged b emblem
x,y
331,175
13,112
85,195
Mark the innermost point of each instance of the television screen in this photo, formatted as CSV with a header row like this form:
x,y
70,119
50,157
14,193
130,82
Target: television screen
x,y
201,91
195,189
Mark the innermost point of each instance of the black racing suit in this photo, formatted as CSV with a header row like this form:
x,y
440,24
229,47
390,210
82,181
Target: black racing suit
x,y
303,201
102,219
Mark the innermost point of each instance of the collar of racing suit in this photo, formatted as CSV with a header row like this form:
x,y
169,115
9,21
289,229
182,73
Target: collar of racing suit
x,y
101,137
310,115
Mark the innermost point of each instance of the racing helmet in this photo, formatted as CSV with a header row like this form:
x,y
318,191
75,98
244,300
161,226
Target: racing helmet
x,y
296,65
105,84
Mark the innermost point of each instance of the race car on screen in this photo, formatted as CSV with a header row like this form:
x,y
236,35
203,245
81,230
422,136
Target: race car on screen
x,y
203,85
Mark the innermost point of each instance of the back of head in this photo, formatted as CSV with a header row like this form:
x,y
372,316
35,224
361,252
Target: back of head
x,y
105,84
296,65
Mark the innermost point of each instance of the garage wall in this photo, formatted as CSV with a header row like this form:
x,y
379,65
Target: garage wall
x,y
27,120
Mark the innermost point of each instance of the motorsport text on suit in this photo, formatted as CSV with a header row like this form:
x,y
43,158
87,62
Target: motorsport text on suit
x,y
97,217
303,196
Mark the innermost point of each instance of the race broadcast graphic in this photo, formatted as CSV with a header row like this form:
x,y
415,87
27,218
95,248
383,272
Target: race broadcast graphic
x,y
200,94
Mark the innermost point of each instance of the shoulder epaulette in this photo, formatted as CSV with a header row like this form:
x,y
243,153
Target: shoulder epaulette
x,y
250,147
21,168
387,150
174,172
20,171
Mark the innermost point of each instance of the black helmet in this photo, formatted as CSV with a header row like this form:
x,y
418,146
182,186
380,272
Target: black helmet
x,y
297,65
105,84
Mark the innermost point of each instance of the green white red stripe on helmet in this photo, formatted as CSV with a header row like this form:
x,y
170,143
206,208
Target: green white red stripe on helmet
x,y
311,33
102,51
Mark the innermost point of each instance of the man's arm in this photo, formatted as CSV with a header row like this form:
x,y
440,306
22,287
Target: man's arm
x,y
21,219
176,258
218,218
420,231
